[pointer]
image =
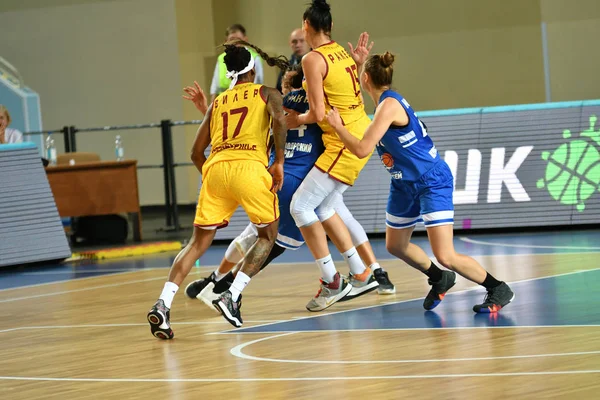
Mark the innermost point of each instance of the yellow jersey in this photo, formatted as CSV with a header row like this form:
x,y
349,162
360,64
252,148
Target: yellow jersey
x,y
239,126
341,88
341,85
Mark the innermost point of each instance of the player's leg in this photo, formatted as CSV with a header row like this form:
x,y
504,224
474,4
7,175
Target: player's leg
x,y
313,191
214,209
403,213
361,278
233,255
363,246
438,215
288,237
251,185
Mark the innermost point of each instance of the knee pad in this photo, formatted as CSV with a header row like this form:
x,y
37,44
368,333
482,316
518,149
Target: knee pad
x,y
324,213
301,210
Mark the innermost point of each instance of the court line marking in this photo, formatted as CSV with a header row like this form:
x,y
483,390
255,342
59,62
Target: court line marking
x,y
71,280
220,322
291,379
105,271
164,278
94,277
229,332
237,351
209,267
526,246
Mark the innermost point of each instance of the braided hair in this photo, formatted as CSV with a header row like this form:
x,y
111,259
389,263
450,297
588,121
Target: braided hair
x,y
280,62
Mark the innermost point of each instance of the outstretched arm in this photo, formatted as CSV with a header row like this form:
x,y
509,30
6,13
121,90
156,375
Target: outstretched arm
x,y
202,141
386,114
275,109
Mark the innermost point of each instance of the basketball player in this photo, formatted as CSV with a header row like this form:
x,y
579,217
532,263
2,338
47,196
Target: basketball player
x,y
237,126
421,189
331,80
304,145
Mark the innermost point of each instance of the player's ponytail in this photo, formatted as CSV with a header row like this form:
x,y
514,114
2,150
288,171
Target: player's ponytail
x,y
280,61
380,68
318,15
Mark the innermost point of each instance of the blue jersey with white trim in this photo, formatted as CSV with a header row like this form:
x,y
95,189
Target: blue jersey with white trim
x,y
304,144
407,152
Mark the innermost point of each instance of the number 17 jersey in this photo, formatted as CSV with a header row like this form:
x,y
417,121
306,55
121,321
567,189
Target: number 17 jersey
x,y
239,126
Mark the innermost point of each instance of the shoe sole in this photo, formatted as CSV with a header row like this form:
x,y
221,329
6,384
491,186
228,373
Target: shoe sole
x,y
359,291
205,296
498,310
226,314
383,291
336,298
437,302
156,319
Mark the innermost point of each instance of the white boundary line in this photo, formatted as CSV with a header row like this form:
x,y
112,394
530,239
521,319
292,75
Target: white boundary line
x,y
526,246
220,322
237,351
292,379
209,267
228,332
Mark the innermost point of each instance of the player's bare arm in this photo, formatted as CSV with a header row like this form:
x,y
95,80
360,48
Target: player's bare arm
x,y
201,141
275,109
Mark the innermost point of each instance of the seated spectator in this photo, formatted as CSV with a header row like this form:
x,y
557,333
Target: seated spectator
x,y
299,49
8,135
220,81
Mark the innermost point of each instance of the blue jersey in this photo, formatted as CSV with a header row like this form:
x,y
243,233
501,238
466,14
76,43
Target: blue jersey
x,y
407,152
304,144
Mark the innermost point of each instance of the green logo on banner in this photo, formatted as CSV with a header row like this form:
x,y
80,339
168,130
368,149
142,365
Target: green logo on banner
x,y
573,169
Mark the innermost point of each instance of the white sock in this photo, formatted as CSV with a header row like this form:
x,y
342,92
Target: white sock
x,y
374,266
238,285
168,293
218,275
327,268
354,262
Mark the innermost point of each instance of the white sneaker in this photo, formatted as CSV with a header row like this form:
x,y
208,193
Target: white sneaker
x,y
329,293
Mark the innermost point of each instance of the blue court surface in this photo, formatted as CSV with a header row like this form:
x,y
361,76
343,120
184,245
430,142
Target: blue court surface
x,y
563,300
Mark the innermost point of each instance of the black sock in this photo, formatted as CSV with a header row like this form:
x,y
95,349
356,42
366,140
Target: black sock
x,y
228,279
434,273
276,251
224,283
490,282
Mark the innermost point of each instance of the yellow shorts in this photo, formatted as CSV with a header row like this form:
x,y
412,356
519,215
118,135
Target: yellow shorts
x,y
226,185
339,162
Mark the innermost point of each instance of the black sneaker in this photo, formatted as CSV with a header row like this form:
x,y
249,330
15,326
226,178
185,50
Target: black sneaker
x,y
385,285
159,318
495,299
230,309
194,288
439,289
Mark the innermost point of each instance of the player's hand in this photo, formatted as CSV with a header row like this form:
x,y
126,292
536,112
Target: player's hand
x,y
334,119
197,96
276,171
361,52
291,120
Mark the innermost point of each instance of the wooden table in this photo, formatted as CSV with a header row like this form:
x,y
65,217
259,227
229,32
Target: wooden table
x,y
97,188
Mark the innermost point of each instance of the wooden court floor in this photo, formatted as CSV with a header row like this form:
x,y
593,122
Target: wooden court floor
x,y
88,338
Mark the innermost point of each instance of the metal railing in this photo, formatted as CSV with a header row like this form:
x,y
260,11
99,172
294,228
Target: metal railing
x,y
168,165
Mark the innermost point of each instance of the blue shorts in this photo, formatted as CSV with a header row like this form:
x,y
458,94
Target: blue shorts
x,y
427,200
288,235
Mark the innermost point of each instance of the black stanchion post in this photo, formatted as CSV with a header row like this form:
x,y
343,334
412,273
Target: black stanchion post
x,y
172,181
67,138
72,132
165,129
